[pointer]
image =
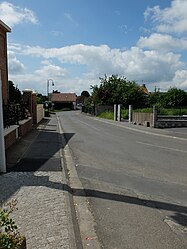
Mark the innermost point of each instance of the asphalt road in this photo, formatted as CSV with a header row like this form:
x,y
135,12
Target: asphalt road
x,y
135,179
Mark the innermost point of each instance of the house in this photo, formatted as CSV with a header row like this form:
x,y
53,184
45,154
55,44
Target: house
x,y
144,89
3,60
63,100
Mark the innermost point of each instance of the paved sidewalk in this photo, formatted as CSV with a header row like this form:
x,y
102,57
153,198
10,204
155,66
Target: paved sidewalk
x,y
37,182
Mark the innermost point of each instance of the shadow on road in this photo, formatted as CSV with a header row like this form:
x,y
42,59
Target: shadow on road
x,y
180,212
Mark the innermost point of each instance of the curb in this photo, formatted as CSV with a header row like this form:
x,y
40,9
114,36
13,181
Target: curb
x,y
84,216
139,130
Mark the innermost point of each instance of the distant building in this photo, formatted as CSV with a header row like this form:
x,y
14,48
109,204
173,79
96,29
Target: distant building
x,y
144,89
63,100
3,60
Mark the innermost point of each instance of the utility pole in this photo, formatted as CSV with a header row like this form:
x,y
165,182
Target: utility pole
x,y
2,142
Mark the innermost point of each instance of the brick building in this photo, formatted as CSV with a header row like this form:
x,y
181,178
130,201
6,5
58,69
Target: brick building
x,y
63,100
3,60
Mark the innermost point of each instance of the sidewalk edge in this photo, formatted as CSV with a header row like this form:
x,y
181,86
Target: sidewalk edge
x,y
84,216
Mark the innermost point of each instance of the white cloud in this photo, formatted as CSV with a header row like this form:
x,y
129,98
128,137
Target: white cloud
x,y
13,15
49,70
37,80
180,79
15,66
135,64
171,19
162,42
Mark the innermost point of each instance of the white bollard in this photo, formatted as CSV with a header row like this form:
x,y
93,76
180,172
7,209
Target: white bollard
x,y
119,112
130,113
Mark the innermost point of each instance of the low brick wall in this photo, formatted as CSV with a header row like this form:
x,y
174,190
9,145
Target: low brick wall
x,y
12,133
160,121
24,126
142,118
170,121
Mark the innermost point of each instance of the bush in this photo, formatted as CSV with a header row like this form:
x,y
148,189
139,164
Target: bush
x,y
125,114
145,110
107,115
110,114
173,111
9,236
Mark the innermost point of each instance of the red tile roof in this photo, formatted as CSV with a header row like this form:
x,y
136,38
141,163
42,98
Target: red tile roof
x,y
144,89
63,97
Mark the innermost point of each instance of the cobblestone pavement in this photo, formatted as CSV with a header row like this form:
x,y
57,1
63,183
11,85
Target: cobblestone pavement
x,y
37,183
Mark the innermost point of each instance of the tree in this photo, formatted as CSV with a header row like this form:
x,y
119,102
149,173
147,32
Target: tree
x,y
14,93
40,98
116,90
155,98
85,94
175,97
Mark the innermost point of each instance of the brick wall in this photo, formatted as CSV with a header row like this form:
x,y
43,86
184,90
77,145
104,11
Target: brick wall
x,y
34,108
3,60
14,132
11,136
25,126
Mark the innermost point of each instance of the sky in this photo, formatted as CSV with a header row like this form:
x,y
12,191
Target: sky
x,y
74,43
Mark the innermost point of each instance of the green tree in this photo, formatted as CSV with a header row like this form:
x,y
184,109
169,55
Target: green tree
x,y
175,97
117,90
14,93
85,94
155,98
40,98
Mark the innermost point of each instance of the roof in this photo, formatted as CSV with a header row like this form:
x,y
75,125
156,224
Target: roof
x,y
63,97
4,26
144,89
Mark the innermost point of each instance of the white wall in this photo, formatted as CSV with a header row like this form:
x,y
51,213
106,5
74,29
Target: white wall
x,y
40,113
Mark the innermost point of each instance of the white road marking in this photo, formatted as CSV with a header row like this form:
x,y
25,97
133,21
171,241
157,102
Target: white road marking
x,y
161,147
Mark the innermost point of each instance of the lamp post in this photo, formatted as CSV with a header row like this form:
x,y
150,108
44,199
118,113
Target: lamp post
x,y
52,83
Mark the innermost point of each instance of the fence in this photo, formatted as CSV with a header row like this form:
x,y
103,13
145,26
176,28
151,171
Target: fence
x,y
12,114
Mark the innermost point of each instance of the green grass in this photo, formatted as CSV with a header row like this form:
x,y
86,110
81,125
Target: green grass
x,y
125,112
107,115
110,114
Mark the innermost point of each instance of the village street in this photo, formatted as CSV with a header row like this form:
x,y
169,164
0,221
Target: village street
x,y
135,180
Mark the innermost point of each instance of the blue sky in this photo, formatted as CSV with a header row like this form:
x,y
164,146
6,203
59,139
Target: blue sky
x,y
74,42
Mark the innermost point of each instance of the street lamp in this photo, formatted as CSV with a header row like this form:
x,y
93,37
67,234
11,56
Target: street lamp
x,y
52,83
